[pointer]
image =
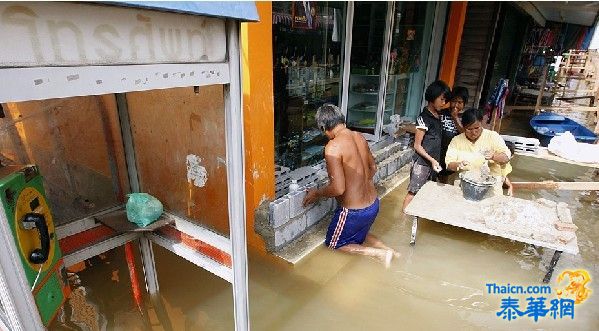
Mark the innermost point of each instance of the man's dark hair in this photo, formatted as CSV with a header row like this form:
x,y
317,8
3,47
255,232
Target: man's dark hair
x,y
329,116
470,116
437,89
460,92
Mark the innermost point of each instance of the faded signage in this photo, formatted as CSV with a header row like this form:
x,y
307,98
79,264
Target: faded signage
x,y
42,34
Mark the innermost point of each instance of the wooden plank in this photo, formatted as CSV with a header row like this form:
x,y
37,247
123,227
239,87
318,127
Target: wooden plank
x,y
575,108
551,185
543,153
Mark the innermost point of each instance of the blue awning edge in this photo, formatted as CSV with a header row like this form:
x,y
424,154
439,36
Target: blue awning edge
x,y
240,10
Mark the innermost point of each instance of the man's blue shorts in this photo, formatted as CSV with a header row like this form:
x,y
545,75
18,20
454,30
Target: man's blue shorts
x,y
350,226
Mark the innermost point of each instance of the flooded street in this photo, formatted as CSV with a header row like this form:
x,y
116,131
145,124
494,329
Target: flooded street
x,y
439,284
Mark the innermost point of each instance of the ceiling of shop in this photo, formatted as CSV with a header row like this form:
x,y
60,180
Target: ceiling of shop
x,y
574,12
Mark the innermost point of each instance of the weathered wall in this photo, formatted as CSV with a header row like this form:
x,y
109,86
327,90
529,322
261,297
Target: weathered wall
x,y
77,145
258,108
171,126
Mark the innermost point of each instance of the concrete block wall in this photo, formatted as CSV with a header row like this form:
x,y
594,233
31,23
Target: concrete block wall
x,y
286,219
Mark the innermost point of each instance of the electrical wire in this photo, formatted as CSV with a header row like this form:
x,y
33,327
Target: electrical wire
x,y
37,277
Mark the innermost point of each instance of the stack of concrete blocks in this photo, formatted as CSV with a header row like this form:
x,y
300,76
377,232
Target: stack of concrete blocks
x,y
287,218
282,180
389,160
303,176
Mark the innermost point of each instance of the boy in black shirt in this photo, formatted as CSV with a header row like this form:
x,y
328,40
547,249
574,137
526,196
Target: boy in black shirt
x,y
427,141
451,125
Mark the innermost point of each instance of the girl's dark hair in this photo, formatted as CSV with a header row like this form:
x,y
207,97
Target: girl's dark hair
x,y
470,116
435,90
461,92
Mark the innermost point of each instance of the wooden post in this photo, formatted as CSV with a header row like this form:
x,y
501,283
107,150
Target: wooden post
x,y
540,97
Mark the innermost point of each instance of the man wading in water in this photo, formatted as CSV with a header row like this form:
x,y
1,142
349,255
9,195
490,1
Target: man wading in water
x,y
351,167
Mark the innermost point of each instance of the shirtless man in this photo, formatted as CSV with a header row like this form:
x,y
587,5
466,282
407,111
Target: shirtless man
x,y
351,167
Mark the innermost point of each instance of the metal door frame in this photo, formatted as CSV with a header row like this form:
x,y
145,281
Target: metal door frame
x,y
15,294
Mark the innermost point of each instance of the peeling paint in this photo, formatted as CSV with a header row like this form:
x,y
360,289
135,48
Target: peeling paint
x,y
256,174
38,81
264,198
196,173
219,161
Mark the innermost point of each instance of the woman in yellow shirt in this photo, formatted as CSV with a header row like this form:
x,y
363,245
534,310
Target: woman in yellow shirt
x,y
470,149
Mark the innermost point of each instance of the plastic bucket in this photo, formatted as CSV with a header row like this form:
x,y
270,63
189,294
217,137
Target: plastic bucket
x,y
475,191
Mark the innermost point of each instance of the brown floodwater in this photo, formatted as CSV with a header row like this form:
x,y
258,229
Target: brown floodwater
x,y
439,284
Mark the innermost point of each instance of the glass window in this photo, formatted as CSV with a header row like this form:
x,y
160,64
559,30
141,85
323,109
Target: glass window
x,y
307,60
410,42
368,34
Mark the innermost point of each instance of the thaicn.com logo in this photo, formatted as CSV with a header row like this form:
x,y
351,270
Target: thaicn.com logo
x,y
542,301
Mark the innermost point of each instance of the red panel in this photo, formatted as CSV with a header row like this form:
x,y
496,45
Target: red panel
x,y
86,238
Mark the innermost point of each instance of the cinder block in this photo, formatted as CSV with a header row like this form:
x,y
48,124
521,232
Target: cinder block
x,y
310,186
376,178
383,169
289,231
391,167
322,182
318,211
279,212
378,156
296,200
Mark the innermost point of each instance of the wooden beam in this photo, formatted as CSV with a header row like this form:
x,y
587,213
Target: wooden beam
x,y
540,97
574,108
551,185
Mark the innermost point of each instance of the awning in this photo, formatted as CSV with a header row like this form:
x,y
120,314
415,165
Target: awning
x,y
240,10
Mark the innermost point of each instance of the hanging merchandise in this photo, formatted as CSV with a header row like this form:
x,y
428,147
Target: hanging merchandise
x,y
496,102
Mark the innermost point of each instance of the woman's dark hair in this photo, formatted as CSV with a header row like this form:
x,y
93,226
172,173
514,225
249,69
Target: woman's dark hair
x,y
329,116
511,146
470,116
437,89
460,92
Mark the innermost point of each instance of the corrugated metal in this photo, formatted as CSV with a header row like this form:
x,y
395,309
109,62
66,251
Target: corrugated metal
x,y
477,40
241,10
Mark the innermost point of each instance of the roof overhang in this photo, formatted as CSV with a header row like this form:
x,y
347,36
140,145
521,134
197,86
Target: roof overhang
x,y
240,10
573,12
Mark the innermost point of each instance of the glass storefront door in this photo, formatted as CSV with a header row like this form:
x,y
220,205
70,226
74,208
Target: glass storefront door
x,y
410,41
368,39
391,39
307,60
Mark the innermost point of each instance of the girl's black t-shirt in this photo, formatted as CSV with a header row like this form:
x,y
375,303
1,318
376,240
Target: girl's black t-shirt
x,y
432,137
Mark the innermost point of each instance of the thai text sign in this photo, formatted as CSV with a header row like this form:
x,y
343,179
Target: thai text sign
x,y
71,34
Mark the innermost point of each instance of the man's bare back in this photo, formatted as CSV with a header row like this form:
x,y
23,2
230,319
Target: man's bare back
x,y
351,167
349,151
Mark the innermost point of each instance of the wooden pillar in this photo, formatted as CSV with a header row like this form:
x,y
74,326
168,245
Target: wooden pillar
x,y
453,39
258,112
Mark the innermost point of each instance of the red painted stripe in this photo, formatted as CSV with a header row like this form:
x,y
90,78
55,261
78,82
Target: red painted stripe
x,y
85,238
197,245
